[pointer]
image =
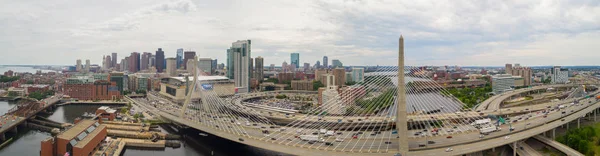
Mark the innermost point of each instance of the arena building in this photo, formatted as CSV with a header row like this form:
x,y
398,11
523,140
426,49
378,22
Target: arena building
x,y
176,88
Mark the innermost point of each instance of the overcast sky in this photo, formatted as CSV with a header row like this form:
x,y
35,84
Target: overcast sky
x,y
357,32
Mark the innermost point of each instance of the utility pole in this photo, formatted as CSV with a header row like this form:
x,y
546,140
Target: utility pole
x,y
401,124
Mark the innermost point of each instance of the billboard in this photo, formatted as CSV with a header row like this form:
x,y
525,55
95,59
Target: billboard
x,y
207,86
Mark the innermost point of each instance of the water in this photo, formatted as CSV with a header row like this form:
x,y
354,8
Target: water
x,y
27,142
21,69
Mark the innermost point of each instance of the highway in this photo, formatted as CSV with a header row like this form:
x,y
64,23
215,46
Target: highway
x,y
523,149
494,102
522,131
561,147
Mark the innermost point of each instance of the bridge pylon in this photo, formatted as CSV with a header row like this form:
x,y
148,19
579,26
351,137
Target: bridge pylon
x,y
188,97
401,124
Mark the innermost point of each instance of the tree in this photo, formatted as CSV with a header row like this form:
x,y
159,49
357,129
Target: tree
x,y
29,82
317,85
37,95
12,94
274,80
350,83
9,79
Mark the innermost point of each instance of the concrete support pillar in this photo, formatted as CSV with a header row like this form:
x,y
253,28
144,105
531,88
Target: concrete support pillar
x,y
567,125
515,148
554,133
494,149
578,121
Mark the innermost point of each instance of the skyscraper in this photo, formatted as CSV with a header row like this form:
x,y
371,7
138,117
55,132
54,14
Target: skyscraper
x,y
108,62
205,65
295,60
134,62
214,66
87,66
340,76
186,56
306,67
172,66
358,74
238,64
114,60
179,58
160,60
325,65
259,69
318,64
78,66
145,61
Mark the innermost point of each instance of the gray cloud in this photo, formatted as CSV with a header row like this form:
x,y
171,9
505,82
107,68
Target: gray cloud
x,y
462,32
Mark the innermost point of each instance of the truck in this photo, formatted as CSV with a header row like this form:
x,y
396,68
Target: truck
x,y
487,130
598,97
309,137
481,122
323,131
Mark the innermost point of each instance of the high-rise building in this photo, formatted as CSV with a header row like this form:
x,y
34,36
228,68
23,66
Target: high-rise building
x,y
318,65
508,69
125,64
358,74
205,65
186,56
78,66
285,67
295,59
306,67
108,62
335,63
524,72
272,67
114,60
145,61
118,79
340,76
172,66
259,69
160,60
179,58
134,62
238,64
87,66
251,67
559,75
214,66
325,65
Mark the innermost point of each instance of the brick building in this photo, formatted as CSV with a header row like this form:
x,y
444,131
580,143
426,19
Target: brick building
x,y
79,140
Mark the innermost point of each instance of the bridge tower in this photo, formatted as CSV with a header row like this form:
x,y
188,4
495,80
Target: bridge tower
x,y
401,124
188,97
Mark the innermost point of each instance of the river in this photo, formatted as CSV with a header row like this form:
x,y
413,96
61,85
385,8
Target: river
x,y
21,69
27,142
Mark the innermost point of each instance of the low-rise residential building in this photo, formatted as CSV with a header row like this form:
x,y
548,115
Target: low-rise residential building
x,y
302,85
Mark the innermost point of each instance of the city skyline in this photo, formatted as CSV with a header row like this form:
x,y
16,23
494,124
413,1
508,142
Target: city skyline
x,y
441,34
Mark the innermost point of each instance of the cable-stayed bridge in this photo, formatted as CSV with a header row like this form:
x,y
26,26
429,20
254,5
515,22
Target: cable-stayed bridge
x,y
377,116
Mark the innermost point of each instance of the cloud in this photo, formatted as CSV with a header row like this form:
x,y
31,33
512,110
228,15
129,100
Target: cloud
x,y
358,32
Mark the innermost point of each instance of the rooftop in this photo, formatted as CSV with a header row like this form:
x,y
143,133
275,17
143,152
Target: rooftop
x,y
202,78
81,126
89,137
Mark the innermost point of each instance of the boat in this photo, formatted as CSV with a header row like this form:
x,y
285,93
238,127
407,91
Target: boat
x,y
88,115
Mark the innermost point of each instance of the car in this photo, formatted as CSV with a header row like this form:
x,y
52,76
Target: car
x,y
241,139
527,109
388,142
328,143
373,134
417,134
430,142
354,136
480,135
273,139
421,145
528,124
506,137
562,120
449,137
311,142
359,133
449,150
339,139
545,116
